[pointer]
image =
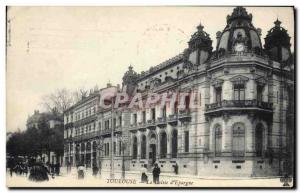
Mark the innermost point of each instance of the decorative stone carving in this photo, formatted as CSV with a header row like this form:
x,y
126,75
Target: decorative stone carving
x,y
217,83
261,81
239,79
130,77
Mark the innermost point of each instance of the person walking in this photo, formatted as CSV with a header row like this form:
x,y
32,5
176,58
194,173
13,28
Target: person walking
x,y
95,170
144,177
80,171
156,173
176,168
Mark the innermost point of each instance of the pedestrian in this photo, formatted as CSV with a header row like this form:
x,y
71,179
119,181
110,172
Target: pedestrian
x,y
95,170
57,169
38,173
144,177
156,172
80,171
176,168
68,167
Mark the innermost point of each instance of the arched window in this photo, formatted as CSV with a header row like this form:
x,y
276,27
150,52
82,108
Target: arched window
x,y
143,147
94,146
218,140
259,140
88,147
163,145
134,148
238,140
174,143
82,147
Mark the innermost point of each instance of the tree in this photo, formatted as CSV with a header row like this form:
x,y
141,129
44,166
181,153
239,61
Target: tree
x,y
60,100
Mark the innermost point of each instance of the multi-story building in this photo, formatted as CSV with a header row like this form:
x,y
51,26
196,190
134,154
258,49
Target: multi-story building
x,y
232,122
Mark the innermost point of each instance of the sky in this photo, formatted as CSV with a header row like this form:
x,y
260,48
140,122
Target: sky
x,y
50,48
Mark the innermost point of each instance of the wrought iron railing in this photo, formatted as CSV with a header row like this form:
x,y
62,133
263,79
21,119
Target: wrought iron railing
x,y
151,123
173,117
184,113
240,104
161,120
86,136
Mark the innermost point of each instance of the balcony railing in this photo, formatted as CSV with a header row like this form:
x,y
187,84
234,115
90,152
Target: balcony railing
x,y
86,136
184,115
151,123
142,125
173,118
105,131
239,104
118,128
85,120
133,126
161,121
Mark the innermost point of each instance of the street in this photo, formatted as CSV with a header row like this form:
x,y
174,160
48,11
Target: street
x,y
132,179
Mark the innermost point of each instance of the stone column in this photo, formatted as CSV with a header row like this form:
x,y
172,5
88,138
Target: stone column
x,y
169,141
226,135
147,143
138,145
158,143
84,156
250,92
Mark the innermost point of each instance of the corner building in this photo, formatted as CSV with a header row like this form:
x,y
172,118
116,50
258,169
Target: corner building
x,y
245,95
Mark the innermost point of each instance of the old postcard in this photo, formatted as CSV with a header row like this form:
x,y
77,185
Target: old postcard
x,y
153,97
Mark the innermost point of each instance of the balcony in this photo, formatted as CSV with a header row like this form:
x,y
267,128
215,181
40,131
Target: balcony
x,y
105,132
142,125
172,119
118,129
86,136
184,115
133,127
161,122
85,120
151,124
240,105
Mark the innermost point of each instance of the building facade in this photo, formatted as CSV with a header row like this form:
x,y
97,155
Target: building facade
x,y
241,123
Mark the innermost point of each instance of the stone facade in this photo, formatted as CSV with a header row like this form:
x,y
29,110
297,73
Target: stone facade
x,y
238,127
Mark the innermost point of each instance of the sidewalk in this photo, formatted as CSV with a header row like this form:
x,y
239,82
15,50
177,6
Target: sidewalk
x,y
137,174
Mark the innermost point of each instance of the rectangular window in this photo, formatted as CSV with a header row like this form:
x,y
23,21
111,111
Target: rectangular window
x,y
164,111
115,146
144,116
187,102
186,141
120,121
218,95
239,92
135,118
259,94
120,147
153,113
114,122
